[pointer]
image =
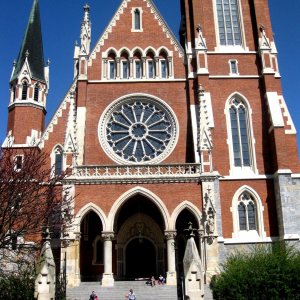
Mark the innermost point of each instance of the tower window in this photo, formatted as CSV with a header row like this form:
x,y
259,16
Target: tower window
x,y
239,133
233,67
14,93
24,90
229,22
36,92
137,19
18,162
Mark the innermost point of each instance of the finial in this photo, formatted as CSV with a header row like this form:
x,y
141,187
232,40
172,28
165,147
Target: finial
x,y
14,63
48,62
86,7
190,230
262,28
27,53
198,28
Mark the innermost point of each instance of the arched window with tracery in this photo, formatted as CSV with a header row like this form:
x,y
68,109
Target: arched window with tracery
x,y
248,219
247,212
24,90
241,140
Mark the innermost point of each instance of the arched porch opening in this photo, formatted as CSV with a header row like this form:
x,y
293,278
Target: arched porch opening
x,y
182,221
140,243
91,247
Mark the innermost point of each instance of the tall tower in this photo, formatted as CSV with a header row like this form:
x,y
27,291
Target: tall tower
x,y
29,85
244,130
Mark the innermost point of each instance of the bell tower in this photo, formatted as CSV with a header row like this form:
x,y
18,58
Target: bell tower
x,y
29,84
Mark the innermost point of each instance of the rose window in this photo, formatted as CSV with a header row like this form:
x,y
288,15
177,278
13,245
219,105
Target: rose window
x,y
139,130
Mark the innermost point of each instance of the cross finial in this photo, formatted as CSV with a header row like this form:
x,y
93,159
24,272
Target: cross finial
x,y
190,230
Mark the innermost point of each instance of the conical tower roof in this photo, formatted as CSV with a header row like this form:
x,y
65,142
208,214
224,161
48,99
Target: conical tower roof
x,y
32,47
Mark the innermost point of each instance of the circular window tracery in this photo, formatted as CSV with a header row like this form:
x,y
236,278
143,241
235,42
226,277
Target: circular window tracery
x,y
138,129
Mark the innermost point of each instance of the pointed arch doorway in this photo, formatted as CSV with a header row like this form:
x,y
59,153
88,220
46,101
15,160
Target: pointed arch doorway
x,y
140,258
140,239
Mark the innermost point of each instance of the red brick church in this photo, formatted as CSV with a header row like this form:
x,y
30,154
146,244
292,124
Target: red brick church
x,y
158,132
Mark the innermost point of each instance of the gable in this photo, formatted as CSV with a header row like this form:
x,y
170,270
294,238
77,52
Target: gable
x,y
120,32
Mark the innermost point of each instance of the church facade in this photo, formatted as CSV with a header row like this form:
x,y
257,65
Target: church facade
x,y
157,132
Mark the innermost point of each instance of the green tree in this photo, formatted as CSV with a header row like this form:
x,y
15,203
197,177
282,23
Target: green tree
x,y
266,272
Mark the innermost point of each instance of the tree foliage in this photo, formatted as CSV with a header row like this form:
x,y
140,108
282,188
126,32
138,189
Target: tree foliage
x,y
267,272
19,284
30,197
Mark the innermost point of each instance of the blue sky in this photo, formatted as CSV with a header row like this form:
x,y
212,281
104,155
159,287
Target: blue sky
x,y
61,27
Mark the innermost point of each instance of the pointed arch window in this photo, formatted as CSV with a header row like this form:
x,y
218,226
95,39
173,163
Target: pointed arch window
x,y
137,19
58,161
137,65
150,65
229,23
125,66
24,90
36,92
112,66
240,133
247,212
163,65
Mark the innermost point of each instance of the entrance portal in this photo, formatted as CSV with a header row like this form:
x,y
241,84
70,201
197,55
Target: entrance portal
x,y
140,259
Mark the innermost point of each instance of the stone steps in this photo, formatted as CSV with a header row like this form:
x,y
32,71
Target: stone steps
x,y
121,288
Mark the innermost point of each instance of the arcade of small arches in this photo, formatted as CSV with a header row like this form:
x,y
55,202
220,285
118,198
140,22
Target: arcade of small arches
x,y
139,238
137,63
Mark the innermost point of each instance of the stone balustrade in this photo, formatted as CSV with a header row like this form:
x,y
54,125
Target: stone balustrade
x,y
136,173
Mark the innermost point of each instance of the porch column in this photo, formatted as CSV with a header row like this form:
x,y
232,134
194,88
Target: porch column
x,y
171,273
108,278
70,256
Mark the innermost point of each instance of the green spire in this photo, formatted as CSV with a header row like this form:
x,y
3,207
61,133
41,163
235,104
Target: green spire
x,y
32,46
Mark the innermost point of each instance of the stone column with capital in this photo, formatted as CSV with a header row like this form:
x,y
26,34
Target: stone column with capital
x,y
108,278
130,67
118,66
144,60
171,248
157,69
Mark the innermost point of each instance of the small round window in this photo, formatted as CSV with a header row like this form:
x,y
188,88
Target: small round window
x,y
138,129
